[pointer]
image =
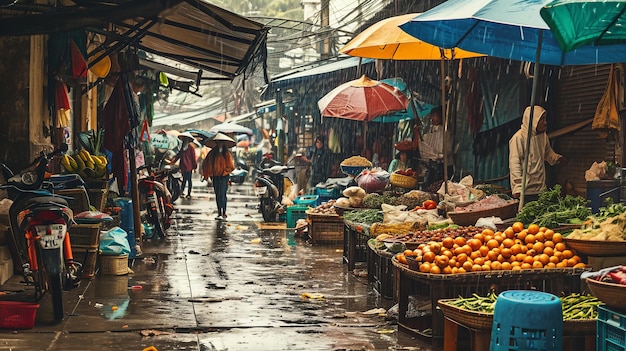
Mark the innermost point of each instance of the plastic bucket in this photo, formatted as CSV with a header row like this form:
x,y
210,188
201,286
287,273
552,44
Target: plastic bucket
x,y
599,190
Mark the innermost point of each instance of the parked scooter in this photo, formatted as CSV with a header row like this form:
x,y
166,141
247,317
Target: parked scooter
x,y
39,223
155,200
174,179
269,186
240,173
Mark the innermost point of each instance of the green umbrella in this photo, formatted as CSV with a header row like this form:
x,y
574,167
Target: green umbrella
x,y
575,23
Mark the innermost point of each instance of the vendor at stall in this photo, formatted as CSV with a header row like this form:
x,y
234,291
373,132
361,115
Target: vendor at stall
x,y
431,148
540,153
401,162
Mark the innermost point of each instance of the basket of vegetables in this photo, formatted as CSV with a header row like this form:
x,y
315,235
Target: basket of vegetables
x,y
403,178
610,287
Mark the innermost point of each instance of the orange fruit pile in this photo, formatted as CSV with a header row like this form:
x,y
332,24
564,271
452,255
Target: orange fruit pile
x,y
515,248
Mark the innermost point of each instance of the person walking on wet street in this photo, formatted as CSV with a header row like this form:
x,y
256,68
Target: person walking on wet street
x,y
218,165
320,162
188,162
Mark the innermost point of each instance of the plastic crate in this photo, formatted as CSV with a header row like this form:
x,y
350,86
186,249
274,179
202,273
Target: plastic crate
x,y
308,200
294,213
610,330
17,315
326,194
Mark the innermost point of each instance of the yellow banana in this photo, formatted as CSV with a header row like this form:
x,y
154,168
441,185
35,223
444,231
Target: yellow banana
x,y
89,165
80,164
86,155
97,161
100,171
65,161
73,163
104,159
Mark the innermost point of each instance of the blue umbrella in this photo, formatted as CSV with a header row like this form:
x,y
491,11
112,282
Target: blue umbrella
x,y
509,29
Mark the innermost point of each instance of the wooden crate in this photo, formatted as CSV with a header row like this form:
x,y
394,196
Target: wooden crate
x,y
325,229
85,235
78,199
98,198
88,256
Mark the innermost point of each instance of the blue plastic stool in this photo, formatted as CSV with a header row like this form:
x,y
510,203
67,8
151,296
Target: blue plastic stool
x,y
527,320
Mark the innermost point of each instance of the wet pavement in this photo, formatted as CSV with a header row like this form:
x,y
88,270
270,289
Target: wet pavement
x,y
221,285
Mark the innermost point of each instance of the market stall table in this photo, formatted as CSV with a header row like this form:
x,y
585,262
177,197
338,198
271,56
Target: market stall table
x,y
479,325
355,236
380,271
428,289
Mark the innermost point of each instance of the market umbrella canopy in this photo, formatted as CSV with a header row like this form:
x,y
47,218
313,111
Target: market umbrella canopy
x,y
385,40
575,23
230,128
219,137
508,29
362,99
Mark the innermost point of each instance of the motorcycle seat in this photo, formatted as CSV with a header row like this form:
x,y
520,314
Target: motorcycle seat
x,y
276,169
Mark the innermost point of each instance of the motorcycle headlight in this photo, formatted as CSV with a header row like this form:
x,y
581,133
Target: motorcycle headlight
x,y
29,178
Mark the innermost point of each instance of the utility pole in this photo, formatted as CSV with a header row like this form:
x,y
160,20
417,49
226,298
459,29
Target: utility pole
x,y
325,23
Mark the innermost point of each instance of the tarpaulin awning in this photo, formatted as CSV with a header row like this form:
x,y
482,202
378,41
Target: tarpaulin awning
x,y
195,33
309,70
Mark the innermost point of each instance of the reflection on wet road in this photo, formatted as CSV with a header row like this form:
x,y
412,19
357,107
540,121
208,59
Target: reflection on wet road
x,y
214,285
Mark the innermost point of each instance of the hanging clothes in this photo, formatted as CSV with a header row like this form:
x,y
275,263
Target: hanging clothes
x,y
61,106
606,118
116,123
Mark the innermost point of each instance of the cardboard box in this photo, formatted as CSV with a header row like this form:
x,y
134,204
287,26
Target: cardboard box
x,y
6,270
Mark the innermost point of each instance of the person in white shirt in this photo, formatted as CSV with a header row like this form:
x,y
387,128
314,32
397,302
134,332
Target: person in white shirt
x,y
431,148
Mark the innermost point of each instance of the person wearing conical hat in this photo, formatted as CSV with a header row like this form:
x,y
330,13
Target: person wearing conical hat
x,y
218,165
188,162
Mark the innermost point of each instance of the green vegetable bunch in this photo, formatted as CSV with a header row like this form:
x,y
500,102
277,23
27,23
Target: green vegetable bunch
x,y
369,216
551,209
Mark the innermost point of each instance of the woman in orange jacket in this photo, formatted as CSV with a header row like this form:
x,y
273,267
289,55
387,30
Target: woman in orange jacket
x,y
218,165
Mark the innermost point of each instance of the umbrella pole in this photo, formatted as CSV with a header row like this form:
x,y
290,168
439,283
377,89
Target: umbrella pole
x,y
533,96
364,138
444,112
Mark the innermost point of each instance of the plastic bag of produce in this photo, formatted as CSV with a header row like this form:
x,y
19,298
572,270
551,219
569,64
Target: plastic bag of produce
x,y
374,180
394,214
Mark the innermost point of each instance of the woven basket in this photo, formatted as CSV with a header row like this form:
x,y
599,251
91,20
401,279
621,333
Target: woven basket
x,y
610,294
596,247
470,218
402,181
483,321
470,319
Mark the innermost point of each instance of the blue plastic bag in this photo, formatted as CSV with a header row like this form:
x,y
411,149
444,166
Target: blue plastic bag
x,y
114,242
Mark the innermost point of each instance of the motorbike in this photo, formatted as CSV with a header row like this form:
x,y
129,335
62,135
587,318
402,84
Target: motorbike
x,y
39,222
240,173
174,179
269,187
155,200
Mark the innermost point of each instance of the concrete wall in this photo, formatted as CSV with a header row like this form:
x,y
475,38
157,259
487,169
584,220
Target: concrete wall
x,y
23,111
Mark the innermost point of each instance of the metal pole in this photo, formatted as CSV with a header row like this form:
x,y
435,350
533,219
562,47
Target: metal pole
x,y
533,96
134,192
444,114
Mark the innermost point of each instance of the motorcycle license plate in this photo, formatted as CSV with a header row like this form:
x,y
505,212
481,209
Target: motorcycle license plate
x,y
260,190
51,235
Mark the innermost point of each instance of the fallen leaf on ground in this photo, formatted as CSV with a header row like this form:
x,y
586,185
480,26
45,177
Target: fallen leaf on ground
x,y
312,296
153,332
386,331
375,311
242,227
255,241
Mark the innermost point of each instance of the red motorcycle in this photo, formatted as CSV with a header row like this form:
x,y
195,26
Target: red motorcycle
x,y
155,200
39,232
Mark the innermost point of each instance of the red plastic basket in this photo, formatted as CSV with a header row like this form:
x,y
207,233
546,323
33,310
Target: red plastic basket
x,y
17,315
